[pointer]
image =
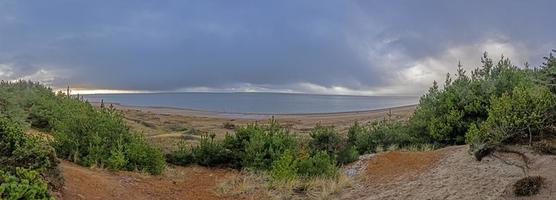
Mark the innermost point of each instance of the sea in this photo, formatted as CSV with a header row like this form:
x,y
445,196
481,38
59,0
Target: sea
x,y
257,103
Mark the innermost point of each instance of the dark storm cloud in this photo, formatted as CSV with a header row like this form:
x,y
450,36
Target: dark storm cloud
x,y
308,46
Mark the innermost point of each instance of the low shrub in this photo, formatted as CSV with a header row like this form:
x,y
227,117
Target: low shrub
x,y
318,165
347,155
514,117
142,156
290,166
325,138
381,134
211,153
24,184
263,145
183,156
528,186
18,149
285,168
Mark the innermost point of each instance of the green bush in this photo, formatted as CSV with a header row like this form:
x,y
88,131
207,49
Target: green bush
x,y
183,156
265,145
211,153
25,184
142,156
285,168
31,152
82,133
382,134
320,164
347,155
325,139
444,116
515,117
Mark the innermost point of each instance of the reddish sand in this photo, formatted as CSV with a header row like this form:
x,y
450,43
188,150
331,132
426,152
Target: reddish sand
x,y
194,183
395,165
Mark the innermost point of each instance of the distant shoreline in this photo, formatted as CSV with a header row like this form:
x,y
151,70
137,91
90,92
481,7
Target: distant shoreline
x,y
247,115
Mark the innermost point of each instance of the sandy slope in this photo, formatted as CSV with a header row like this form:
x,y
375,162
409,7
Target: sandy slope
x,y
194,183
449,173
455,175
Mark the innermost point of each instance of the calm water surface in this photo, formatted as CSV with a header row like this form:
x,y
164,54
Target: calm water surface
x,y
277,103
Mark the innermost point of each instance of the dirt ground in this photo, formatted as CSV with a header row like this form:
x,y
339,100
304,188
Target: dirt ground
x,y
191,183
448,173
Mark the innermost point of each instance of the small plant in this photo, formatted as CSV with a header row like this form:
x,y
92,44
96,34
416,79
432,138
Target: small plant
x,y
229,126
25,184
285,168
183,156
347,155
318,165
210,152
528,186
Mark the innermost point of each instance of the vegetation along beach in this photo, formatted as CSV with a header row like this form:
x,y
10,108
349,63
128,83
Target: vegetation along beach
x,y
207,100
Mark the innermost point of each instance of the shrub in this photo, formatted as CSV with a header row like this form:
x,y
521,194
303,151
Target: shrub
x,y
347,155
141,156
183,156
444,116
211,153
517,116
382,134
25,184
285,168
325,139
31,152
82,134
320,164
528,186
265,145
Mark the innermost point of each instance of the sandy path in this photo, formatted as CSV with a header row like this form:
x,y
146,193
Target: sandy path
x,y
194,183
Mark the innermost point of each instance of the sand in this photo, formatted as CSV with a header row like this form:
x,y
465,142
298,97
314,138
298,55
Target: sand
x,y
450,173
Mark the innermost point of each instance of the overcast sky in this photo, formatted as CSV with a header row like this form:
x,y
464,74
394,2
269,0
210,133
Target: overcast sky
x,y
333,47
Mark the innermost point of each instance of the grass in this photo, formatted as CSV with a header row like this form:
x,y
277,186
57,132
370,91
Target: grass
x,y
258,186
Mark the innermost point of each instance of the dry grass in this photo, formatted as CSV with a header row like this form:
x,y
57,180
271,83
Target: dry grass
x,y
253,185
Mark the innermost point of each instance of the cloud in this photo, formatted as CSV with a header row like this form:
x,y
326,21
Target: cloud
x,y
333,47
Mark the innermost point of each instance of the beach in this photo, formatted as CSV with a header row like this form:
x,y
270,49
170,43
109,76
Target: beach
x,y
162,125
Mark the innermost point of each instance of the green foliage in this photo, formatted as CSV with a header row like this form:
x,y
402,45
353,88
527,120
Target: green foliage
x,y
142,156
444,116
82,133
547,73
325,139
31,152
285,168
210,152
319,164
347,155
263,145
25,184
381,134
253,146
183,156
516,116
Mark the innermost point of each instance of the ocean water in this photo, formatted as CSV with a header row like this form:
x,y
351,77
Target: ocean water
x,y
263,103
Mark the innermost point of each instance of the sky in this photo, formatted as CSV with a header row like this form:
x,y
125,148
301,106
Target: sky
x,y
353,47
